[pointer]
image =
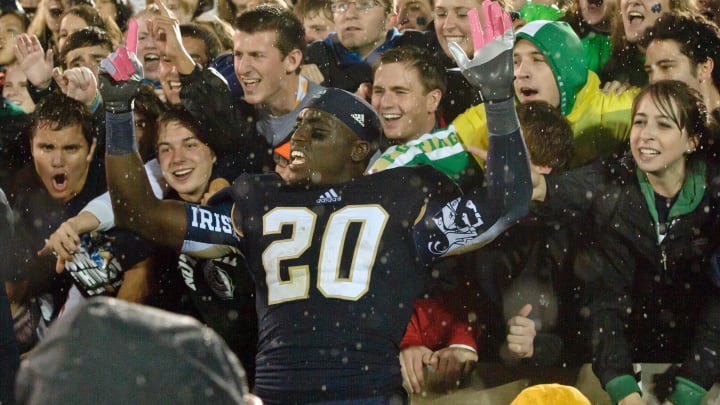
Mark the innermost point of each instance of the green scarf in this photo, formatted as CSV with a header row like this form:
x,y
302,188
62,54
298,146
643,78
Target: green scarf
x,y
688,199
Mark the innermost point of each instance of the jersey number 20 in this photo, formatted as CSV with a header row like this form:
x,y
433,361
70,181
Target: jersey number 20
x,y
372,220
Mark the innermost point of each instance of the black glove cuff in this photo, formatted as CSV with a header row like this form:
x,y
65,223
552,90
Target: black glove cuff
x,y
120,133
119,107
501,117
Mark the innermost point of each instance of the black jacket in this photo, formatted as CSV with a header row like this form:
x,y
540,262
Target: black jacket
x,y
648,301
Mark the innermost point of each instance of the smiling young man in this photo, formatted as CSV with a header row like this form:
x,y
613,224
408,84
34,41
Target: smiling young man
x,y
409,84
268,49
327,246
406,93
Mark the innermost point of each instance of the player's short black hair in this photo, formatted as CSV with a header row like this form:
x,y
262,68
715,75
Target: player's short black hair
x,y
351,110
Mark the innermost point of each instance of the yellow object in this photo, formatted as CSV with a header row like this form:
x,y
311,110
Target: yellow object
x,y
550,394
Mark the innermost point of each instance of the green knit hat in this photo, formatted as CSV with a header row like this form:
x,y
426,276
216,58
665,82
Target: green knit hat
x,y
564,52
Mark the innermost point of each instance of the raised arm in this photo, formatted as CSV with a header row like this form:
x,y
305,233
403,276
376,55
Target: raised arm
x,y
491,72
165,30
34,61
479,217
136,207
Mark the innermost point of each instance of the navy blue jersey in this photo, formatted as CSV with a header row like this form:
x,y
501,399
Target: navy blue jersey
x,y
337,269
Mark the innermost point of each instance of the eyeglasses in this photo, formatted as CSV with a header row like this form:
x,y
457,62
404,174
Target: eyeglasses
x,y
361,5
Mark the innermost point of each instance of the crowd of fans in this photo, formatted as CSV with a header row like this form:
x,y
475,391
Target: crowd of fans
x,y
614,262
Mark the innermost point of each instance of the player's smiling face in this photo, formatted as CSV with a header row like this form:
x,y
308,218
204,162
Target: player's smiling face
x,y
321,150
62,158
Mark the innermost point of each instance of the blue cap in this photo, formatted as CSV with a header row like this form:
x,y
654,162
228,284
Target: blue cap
x,y
353,111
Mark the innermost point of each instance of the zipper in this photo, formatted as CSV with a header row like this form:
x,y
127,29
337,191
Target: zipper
x,y
664,257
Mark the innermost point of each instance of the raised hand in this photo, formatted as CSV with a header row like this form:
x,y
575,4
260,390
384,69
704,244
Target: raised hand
x,y
34,62
491,68
120,76
165,30
65,241
78,83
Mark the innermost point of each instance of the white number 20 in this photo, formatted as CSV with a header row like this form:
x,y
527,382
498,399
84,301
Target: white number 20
x,y
372,220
